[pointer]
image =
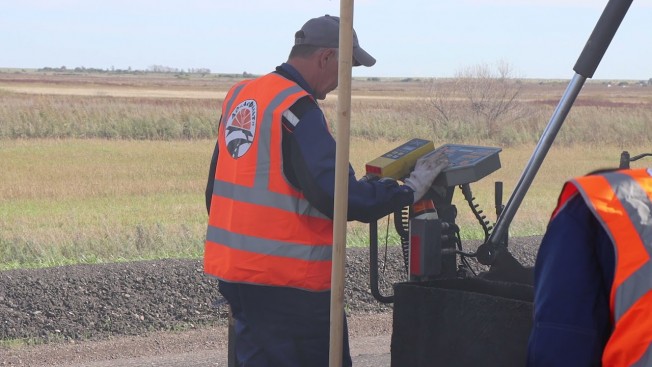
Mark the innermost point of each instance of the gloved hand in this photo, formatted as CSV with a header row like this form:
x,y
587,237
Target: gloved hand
x,y
425,171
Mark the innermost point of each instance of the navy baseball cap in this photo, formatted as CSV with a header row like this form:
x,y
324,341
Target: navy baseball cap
x,y
325,32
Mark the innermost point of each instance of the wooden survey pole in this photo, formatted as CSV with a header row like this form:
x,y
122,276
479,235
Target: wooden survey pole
x,y
340,208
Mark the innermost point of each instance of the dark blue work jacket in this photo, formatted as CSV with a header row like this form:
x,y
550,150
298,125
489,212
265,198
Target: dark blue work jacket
x,y
574,271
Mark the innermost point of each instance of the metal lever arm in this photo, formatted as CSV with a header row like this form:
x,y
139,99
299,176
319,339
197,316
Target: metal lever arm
x,y
588,61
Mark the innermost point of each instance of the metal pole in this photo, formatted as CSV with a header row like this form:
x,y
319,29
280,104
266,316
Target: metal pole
x,y
341,182
585,66
537,157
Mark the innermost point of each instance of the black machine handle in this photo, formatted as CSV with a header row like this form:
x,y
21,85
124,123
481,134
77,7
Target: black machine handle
x,y
588,61
625,158
498,197
601,37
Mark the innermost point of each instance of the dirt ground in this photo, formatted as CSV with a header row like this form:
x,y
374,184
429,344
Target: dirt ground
x,y
370,342
157,312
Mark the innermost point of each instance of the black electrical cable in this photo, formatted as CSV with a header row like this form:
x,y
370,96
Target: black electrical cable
x,y
464,255
468,196
386,241
460,251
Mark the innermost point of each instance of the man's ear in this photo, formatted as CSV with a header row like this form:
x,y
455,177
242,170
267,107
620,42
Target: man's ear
x,y
325,55
332,53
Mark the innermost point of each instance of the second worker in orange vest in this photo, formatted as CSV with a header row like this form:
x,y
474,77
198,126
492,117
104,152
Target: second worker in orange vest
x,y
270,200
593,275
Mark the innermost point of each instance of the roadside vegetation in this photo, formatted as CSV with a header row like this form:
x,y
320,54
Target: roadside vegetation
x,y
105,168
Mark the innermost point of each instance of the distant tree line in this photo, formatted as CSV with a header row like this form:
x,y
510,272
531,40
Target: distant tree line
x,y
129,70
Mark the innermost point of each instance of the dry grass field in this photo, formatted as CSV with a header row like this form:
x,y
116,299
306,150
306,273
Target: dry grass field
x,y
101,167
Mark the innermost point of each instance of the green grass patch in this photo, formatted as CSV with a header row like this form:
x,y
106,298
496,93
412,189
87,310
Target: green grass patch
x,y
94,201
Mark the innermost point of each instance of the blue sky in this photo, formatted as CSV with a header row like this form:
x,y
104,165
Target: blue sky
x,y
410,38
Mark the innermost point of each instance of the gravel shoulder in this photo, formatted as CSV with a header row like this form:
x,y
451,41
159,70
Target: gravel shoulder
x,y
162,310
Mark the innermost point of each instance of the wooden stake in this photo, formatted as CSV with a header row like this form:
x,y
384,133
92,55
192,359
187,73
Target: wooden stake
x,y
340,208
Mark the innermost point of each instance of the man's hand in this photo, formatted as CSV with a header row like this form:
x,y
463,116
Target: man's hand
x,y
425,172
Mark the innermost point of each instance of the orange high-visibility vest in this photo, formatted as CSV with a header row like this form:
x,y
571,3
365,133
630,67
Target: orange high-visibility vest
x,y
622,203
261,229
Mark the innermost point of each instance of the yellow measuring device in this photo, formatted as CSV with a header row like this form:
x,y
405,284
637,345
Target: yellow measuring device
x,y
398,162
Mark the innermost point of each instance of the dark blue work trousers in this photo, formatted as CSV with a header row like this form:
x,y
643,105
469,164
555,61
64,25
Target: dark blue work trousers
x,y
281,327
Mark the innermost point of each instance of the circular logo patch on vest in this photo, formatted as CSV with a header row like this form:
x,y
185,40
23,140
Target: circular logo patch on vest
x,y
240,128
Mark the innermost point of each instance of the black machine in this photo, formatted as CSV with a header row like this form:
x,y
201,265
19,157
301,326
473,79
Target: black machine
x,y
445,314
431,243
432,309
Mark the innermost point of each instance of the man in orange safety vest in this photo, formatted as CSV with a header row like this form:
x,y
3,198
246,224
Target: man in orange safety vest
x,y
593,274
270,200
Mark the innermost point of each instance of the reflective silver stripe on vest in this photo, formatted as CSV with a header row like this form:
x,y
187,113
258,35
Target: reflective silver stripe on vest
x,y
265,137
269,247
229,103
236,91
639,211
265,197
